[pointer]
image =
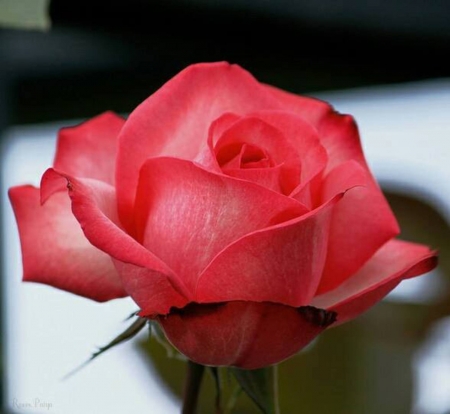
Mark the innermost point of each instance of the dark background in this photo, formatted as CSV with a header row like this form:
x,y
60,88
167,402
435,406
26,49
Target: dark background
x,y
111,55
103,55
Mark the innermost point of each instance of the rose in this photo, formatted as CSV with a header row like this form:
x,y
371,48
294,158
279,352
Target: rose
x,y
242,218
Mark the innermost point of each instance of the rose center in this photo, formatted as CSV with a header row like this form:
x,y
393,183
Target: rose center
x,y
243,155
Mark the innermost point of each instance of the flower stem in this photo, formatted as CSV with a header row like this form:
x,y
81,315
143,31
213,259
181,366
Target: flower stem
x,y
276,398
192,386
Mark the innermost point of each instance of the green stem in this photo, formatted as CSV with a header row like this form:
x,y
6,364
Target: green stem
x,y
276,399
218,400
192,387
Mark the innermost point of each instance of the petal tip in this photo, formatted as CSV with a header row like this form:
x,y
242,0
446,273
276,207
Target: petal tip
x,y
51,182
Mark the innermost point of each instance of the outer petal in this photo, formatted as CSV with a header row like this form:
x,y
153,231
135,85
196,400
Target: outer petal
x,y
89,149
94,206
188,214
338,133
174,121
55,250
361,223
281,264
395,261
150,289
243,334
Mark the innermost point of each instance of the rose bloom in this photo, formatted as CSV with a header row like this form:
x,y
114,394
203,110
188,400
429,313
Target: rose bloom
x,y
244,219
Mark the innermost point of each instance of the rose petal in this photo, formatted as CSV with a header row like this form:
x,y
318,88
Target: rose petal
x,y
174,121
311,109
338,133
303,138
270,178
395,261
281,264
220,125
150,289
94,206
207,156
260,134
89,149
242,155
189,214
340,136
243,334
55,250
360,225
256,133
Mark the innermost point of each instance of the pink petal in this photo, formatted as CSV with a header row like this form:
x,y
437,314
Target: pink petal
x,y
247,335
281,264
56,252
338,133
188,214
94,206
220,125
340,136
175,120
395,261
311,109
89,149
360,225
254,131
258,134
306,143
270,178
301,136
207,156
150,289
242,155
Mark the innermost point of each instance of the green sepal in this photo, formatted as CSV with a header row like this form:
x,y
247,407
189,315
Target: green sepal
x,y
261,386
129,333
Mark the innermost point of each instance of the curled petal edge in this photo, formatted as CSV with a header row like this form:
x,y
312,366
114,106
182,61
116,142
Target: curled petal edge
x,y
358,294
93,205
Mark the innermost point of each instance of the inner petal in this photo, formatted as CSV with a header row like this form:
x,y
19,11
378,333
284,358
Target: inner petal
x,y
254,157
243,155
250,146
260,139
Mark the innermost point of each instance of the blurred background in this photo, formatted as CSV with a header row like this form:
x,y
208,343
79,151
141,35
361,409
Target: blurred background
x,y
383,61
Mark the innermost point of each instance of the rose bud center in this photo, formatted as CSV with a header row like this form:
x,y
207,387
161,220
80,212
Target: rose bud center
x,y
243,155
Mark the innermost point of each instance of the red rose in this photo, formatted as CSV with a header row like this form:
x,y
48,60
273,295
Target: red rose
x,y
243,218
